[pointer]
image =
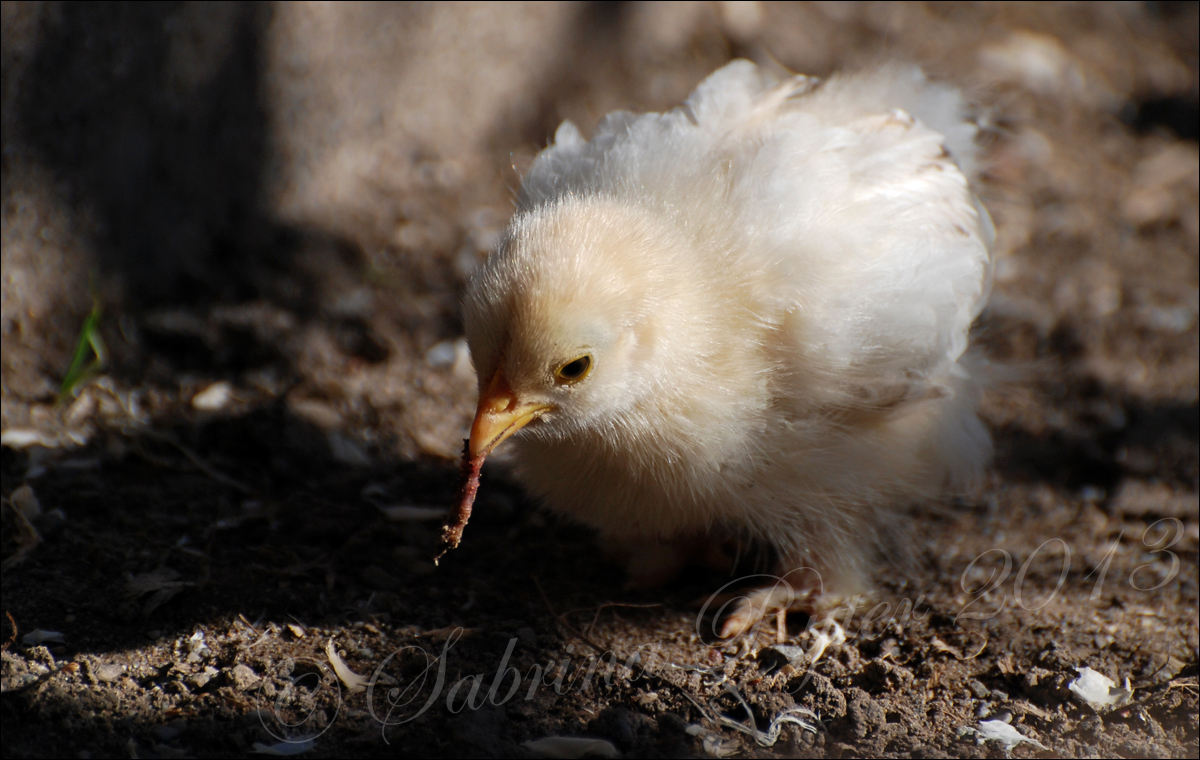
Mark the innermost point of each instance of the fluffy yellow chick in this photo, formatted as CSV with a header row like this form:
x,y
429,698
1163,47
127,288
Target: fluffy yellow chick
x,y
743,318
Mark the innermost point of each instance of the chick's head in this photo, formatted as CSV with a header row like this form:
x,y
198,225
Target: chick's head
x,y
566,320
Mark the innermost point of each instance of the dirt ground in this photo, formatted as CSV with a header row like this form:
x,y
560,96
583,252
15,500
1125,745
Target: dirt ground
x,y
219,541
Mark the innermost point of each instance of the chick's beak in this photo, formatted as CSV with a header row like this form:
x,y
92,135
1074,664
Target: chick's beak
x,y
499,415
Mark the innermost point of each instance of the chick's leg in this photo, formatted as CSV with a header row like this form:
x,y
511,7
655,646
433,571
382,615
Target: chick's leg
x,y
799,589
650,564
653,565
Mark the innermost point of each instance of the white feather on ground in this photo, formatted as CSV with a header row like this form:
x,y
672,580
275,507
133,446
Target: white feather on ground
x,y
773,285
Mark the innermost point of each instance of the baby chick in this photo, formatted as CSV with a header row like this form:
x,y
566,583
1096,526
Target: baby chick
x,y
745,318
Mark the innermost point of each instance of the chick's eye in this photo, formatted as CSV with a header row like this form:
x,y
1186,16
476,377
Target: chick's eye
x,y
574,370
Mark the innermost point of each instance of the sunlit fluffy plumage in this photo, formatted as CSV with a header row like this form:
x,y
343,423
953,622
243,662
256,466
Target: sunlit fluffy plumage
x,y
775,283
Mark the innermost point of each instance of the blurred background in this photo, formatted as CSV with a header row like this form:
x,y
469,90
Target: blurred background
x,y
287,198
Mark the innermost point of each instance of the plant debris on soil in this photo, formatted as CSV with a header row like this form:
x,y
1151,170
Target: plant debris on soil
x,y
218,520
